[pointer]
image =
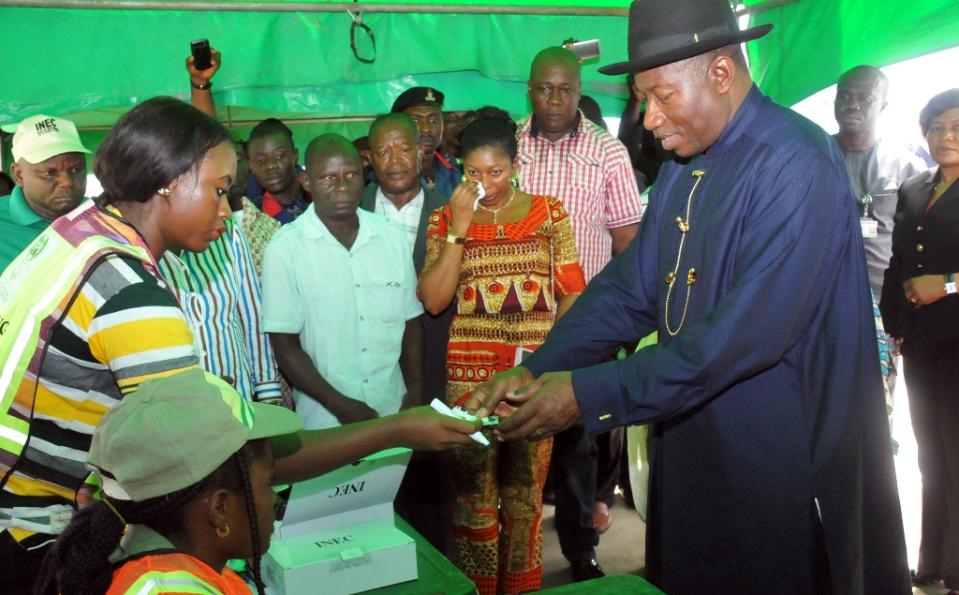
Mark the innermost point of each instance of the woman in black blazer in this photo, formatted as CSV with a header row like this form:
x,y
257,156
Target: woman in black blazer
x,y
920,306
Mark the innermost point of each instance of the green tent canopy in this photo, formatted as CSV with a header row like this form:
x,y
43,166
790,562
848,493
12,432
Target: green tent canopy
x,y
814,41
293,59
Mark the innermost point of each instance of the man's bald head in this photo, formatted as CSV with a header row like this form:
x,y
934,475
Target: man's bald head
x,y
554,56
554,86
329,145
868,74
334,178
392,121
860,98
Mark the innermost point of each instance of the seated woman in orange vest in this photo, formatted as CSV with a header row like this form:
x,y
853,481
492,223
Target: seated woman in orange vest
x,y
186,463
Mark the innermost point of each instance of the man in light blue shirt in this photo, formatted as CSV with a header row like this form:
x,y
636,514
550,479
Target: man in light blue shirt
x,y
340,299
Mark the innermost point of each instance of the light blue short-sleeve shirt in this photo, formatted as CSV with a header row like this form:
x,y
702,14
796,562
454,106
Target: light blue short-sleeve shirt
x,y
349,307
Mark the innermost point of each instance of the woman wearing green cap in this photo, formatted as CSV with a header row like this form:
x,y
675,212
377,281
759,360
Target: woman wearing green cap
x,y
186,464
86,318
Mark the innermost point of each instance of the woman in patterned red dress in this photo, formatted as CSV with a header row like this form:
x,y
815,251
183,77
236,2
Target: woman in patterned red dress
x,y
510,262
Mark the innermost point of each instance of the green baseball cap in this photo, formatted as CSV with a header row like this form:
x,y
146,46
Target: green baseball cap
x,y
174,431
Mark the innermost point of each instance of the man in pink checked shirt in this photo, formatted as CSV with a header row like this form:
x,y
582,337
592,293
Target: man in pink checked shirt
x,y
563,154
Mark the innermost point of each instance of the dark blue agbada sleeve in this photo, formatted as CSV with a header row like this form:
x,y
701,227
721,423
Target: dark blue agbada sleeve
x,y
774,227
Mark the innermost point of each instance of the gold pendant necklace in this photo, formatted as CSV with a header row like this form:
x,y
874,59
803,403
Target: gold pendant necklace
x,y
512,195
684,227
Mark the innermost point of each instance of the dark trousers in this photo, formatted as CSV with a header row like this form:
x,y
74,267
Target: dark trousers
x,y
19,568
573,472
425,499
609,464
932,375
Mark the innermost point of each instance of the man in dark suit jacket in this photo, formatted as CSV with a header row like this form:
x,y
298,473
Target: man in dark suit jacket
x,y
400,197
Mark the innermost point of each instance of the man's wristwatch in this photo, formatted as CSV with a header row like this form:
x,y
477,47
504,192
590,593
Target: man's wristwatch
x,y
202,86
452,238
950,284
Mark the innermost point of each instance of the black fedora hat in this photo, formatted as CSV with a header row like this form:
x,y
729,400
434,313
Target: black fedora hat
x,y
666,31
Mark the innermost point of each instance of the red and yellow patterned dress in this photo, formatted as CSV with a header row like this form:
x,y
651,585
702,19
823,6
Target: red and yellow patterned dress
x,y
511,276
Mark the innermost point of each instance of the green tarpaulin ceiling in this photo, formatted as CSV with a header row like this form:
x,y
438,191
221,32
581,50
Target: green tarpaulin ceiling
x,y
92,64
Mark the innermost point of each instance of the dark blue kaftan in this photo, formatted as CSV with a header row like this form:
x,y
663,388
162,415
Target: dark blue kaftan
x,y
769,400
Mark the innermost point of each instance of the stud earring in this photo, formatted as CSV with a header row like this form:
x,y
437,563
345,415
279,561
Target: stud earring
x,y
223,532
164,191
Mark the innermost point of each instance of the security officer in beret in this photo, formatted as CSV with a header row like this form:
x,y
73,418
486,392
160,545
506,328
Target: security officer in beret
x,y
425,106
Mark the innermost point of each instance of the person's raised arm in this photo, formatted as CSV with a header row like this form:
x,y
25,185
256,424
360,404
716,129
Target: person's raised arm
x,y
445,242
201,83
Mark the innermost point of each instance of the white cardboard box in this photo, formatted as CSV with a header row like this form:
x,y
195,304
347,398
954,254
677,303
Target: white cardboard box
x,y
337,534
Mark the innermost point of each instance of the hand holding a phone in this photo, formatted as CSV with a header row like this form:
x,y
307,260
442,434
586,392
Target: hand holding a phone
x,y
202,76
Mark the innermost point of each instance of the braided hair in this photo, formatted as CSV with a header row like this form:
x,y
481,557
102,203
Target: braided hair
x,y
78,563
244,468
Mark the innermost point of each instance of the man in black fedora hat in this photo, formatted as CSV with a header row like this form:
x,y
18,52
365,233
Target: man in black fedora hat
x,y
771,457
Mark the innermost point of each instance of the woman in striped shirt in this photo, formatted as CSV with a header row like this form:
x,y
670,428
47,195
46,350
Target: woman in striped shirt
x,y
88,318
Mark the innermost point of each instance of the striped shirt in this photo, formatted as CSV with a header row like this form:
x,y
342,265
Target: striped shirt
x,y
590,172
407,217
219,292
124,327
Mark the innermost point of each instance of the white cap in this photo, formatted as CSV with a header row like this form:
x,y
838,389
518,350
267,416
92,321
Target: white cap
x,y
41,137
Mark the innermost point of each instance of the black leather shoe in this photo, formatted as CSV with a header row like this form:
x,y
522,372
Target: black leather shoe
x,y
586,569
924,579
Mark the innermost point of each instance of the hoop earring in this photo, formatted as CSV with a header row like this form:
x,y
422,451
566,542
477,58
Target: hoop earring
x,y
223,532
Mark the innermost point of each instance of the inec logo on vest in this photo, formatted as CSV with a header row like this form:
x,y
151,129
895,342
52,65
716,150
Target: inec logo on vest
x,y
37,247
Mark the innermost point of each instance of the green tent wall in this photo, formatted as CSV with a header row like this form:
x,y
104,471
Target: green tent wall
x,y
814,41
91,64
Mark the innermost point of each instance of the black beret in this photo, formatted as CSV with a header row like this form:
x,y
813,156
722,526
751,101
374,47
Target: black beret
x,y
416,96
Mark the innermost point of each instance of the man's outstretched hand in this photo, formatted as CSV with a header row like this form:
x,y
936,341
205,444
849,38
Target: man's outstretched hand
x,y
546,405
491,397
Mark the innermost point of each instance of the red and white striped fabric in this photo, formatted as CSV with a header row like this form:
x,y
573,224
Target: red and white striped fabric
x,y
590,172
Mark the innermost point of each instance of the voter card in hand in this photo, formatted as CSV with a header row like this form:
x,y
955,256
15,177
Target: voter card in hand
x,y
458,413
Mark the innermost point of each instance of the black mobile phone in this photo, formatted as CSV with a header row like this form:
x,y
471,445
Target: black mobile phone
x,y
202,58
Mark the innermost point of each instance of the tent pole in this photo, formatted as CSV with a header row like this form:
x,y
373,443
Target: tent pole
x,y
292,121
367,7
371,7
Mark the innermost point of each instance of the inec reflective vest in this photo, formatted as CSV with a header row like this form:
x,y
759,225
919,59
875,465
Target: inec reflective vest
x,y
36,291
174,573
